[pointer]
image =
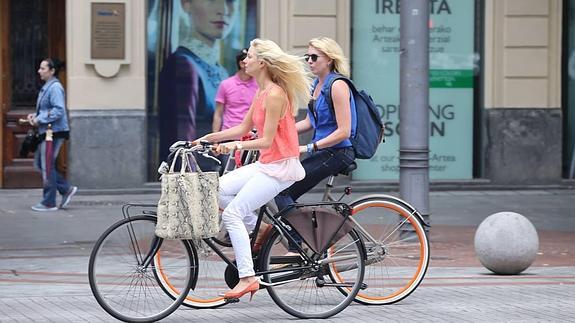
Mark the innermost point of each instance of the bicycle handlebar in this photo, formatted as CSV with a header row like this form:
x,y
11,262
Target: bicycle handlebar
x,y
202,147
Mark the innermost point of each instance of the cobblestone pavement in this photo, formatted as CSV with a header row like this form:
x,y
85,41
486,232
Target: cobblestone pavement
x,y
58,291
44,259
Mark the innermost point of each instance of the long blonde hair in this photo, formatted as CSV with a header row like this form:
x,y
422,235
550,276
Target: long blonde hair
x,y
332,50
288,71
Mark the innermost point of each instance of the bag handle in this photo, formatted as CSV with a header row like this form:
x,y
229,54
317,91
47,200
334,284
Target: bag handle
x,y
193,165
173,165
185,156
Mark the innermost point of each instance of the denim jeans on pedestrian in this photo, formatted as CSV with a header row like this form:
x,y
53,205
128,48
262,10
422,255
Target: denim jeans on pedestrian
x,y
55,182
318,166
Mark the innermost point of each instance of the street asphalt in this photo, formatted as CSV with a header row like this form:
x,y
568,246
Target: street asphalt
x,y
44,260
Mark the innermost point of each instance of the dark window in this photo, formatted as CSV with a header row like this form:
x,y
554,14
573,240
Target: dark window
x,y
28,45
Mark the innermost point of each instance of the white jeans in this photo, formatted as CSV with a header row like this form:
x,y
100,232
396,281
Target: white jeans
x,y
241,193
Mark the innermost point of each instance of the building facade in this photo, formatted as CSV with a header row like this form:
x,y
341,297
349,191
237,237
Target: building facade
x,y
501,108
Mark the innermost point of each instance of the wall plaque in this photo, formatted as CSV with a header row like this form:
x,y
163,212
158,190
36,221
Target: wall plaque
x,y
108,32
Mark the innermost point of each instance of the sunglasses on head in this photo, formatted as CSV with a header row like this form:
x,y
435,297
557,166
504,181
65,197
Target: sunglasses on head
x,y
312,56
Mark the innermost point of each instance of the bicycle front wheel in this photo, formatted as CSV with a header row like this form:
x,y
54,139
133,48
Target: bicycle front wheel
x,y
209,281
397,249
213,277
124,278
308,290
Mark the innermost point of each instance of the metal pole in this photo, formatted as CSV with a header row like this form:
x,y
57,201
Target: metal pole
x,y
414,105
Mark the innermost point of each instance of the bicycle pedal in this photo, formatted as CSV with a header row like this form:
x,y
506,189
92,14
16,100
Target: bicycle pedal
x,y
232,300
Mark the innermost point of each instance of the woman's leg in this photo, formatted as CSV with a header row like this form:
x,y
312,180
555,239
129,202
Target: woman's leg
x,y
257,190
62,185
320,166
48,178
317,167
315,171
231,184
37,158
52,180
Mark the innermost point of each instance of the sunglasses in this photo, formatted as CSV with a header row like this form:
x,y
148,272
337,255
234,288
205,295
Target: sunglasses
x,y
312,56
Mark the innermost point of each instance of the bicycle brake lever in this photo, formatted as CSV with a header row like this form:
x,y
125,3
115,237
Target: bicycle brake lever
x,y
205,154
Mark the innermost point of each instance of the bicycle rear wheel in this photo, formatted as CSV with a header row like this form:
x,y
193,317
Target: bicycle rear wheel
x,y
397,249
306,290
126,288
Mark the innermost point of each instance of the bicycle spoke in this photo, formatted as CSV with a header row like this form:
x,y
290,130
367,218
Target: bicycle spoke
x,y
396,264
124,288
314,295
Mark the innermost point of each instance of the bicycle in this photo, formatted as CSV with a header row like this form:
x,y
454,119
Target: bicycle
x,y
131,270
393,233
395,239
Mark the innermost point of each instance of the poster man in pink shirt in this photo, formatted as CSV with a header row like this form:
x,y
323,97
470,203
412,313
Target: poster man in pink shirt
x,y
234,96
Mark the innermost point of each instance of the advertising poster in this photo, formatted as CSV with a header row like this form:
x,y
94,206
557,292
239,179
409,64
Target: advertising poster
x,y
375,63
191,47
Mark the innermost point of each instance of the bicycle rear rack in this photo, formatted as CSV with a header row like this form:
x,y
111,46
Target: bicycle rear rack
x,y
144,208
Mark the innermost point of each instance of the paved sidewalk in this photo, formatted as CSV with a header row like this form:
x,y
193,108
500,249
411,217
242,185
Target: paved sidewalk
x,y
448,294
43,264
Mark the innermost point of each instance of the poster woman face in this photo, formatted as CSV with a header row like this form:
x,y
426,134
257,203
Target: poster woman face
x,y
211,19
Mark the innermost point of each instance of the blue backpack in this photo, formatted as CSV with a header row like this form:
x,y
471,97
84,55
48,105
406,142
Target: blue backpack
x,y
369,128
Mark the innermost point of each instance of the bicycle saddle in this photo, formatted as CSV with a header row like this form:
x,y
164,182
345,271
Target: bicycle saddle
x,y
348,170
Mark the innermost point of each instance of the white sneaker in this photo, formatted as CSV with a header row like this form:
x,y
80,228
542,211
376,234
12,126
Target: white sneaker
x,y
68,196
43,208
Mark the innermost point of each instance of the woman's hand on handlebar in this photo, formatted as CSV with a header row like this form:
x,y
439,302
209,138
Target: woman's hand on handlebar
x,y
190,144
227,147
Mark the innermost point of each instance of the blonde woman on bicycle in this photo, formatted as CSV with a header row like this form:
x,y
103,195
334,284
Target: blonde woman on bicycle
x,y
330,150
283,87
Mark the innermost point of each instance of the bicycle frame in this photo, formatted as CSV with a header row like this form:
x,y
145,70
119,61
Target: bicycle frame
x,y
284,229
327,196
307,262
156,242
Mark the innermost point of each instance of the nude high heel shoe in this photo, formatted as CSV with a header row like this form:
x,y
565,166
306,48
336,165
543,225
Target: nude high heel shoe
x,y
251,288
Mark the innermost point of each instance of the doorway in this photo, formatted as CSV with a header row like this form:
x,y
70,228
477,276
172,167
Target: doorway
x,y
31,31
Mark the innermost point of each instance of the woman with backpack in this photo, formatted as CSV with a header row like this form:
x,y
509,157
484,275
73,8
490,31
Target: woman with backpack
x,y
330,150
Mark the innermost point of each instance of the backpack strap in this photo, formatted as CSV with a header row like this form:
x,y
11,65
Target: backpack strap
x,y
328,93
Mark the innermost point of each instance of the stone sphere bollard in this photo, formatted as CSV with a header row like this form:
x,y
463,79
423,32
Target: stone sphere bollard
x,y
506,243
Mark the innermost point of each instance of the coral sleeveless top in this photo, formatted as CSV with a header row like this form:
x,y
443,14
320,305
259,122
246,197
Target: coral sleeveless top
x,y
285,143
